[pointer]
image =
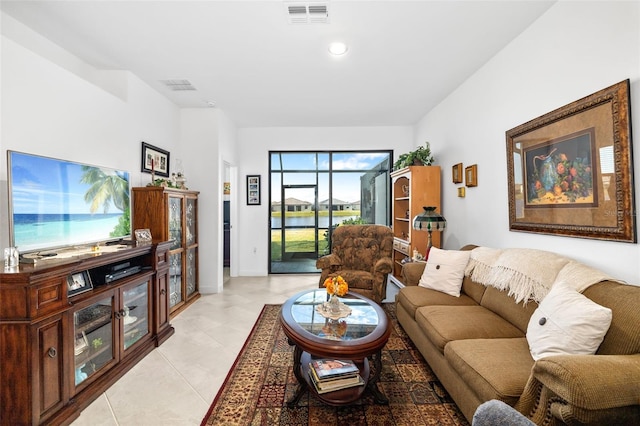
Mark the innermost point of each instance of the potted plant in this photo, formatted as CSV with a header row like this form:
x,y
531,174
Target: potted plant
x,y
420,157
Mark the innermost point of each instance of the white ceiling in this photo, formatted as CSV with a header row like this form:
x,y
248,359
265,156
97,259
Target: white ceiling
x,y
404,56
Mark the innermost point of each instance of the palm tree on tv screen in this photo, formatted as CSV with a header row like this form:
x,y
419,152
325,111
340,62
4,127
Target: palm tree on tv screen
x,y
107,189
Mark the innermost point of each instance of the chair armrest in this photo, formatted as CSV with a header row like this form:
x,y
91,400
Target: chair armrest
x,y
583,388
328,261
412,272
383,266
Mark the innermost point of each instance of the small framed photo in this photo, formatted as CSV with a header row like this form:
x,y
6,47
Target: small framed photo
x,y
456,173
253,190
78,282
143,236
471,175
154,160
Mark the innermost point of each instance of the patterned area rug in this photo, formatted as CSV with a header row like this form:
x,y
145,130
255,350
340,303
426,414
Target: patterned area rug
x,y
262,380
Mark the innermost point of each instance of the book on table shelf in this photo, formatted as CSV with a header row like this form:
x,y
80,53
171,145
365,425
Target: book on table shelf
x,y
348,378
335,384
333,368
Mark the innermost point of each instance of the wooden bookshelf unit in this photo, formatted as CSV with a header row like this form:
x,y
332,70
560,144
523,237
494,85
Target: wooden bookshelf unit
x,y
413,187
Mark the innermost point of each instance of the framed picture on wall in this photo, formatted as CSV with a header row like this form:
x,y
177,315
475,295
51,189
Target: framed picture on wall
x,y
456,173
471,175
253,190
155,160
570,171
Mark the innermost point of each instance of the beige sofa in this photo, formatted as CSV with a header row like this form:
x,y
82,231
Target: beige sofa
x,y
476,345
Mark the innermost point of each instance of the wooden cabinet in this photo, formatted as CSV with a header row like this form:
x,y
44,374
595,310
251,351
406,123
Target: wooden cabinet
x,y
48,336
413,187
172,214
59,352
109,326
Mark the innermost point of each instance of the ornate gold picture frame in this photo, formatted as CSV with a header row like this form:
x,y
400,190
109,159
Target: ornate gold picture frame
x,y
570,172
471,175
456,173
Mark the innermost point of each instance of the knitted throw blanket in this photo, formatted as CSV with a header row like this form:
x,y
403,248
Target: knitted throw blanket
x,y
529,274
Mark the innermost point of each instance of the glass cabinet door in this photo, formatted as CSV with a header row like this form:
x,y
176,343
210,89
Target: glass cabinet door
x,y
192,275
190,211
175,222
135,314
93,344
175,279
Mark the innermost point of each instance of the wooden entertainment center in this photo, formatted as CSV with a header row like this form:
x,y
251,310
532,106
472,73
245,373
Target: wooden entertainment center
x,y
71,326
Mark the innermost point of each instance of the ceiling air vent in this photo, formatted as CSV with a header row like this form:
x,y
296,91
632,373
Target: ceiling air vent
x,y
307,13
178,84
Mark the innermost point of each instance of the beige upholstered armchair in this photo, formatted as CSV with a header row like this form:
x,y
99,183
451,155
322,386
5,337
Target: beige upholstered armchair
x,y
362,255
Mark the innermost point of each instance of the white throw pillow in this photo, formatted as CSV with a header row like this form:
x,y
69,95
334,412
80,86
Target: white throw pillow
x,y
567,322
444,270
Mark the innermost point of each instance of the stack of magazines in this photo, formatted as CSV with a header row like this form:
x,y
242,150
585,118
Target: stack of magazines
x,y
330,375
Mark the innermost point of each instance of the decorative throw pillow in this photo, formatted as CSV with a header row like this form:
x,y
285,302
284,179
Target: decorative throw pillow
x,y
444,270
567,322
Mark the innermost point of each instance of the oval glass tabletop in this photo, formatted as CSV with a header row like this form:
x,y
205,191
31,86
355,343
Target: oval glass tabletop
x,y
361,322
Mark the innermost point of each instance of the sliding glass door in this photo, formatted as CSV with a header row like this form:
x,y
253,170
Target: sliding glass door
x,y
313,192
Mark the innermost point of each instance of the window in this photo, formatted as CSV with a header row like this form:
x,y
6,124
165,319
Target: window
x,y
311,190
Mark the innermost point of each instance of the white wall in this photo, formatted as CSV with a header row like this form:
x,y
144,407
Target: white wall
x,y
575,49
54,107
253,158
208,140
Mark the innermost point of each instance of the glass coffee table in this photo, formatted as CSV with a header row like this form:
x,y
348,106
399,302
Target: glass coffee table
x,y
359,336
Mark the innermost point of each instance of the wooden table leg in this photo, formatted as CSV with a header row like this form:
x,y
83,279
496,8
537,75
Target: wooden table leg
x,y
297,370
372,385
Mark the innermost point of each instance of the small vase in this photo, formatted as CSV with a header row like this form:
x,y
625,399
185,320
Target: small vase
x,y
334,304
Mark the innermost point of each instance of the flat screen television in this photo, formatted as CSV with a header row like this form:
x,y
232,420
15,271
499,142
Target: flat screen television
x,y
57,203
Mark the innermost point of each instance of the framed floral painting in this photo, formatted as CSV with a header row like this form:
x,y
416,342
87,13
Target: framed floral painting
x,y
570,171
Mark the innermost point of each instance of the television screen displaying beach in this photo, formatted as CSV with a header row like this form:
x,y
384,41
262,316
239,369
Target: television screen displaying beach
x,y
57,203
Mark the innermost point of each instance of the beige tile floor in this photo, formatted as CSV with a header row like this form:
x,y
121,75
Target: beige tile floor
x,y
176,383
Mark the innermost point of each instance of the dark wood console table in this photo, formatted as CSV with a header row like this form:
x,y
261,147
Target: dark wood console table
x,y
61,348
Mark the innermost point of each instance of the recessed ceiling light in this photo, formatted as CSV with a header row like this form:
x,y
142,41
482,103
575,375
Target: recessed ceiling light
x,y
211,104
338,48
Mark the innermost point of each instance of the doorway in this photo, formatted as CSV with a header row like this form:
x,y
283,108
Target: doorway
x,y
298,229
226,223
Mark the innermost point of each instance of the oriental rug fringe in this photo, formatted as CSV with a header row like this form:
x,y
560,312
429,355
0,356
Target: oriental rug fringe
x,y
261,381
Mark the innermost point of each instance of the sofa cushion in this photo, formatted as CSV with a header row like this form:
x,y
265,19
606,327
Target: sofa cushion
x,y
504,305
443,324
493,368
411,298
444,270
473,289
566,322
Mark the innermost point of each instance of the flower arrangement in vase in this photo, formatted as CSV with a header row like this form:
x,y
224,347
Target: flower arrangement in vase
x,y
336,286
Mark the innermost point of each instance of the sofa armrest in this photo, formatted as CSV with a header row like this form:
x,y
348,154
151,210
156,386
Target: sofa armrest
x,y
583,388
592,381
328,261
383,266
412,272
